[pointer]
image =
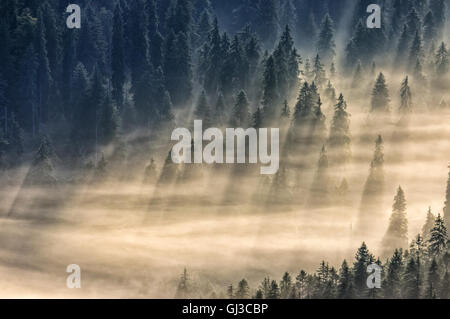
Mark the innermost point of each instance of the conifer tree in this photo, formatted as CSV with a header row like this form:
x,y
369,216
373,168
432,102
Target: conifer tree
x,y
320,187
270,95
203,110
371,202
397,234
442,60
447,203
416,50
405,97
339,140
411,280
274,291
240,115
433,280
363,259
392,286
326,47
345,289
430,32
243,290
380,95
437,243
319,72
429,225
286,286
402,48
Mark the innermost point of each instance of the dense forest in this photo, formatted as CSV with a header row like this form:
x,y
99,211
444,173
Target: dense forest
x,y
86,117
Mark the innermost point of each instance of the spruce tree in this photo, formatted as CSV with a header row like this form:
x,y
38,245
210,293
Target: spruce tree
x,y
442,60
345,289
405,97
397,233
380,95
363,259
320,186
339,139
270,95
326,48
447,203
411,280
240,115
416,51
372,197
437,243
203,111
433,280
319,72
392,284
429,225
243,290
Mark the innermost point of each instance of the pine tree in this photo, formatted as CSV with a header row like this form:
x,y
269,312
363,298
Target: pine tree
x,y
150,172
203,110
42,169
204,28
339,140
402,48
286,286
184,286
429,225
405,97
380,95
430,32
433,280
372,197
319,72
442,60
411,280
357,76
416,50
437,243
243,291
240,115
326,47
118,57
438,8
392,286
268,22
274,291
363,259
447,203
345,289
220,110
109,122
320,188
270,95
397,234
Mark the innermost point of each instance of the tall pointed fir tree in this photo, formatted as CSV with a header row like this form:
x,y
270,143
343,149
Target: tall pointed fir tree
x,y
405,97
372,197
447,204
339,139
396,236
240,115
429,224
270,91
363,259
319,192
416,51
380,96
393,281
442,61
437,243
326,48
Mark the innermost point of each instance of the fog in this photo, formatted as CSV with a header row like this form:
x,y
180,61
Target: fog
x,y
133,239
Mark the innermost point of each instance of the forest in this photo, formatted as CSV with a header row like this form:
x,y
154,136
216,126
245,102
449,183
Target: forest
x,y
86,117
